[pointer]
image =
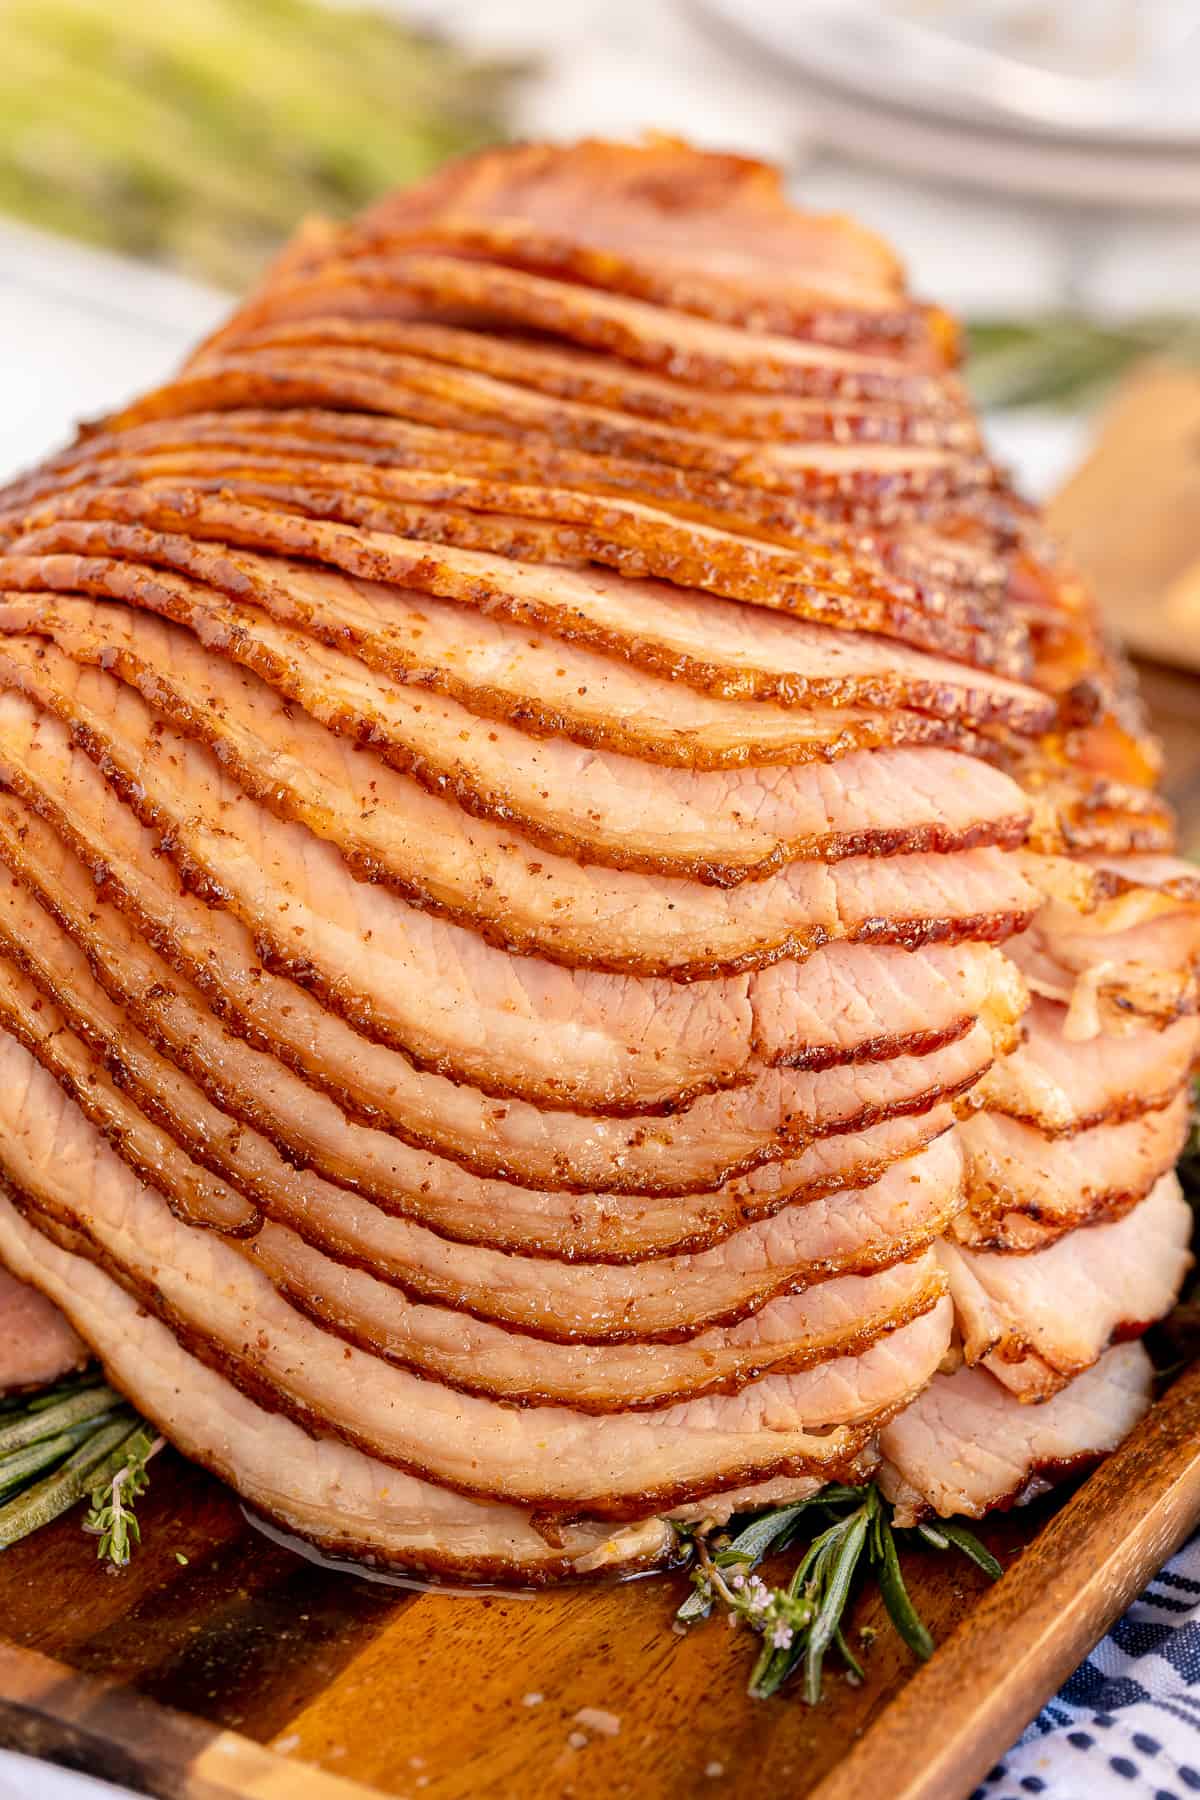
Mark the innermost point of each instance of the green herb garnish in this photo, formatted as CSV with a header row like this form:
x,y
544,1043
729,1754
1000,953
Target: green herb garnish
x,y
1066,360
111,1517
74,1440
801,1621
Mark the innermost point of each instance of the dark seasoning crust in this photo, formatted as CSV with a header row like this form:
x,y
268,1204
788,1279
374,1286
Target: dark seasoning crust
x,y
235,1020
243,1105
127,779
657,546
596,416
206,1151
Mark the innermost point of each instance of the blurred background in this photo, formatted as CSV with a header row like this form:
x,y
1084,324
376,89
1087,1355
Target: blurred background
x,y
1037,163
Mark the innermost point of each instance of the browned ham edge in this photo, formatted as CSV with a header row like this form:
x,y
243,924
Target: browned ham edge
x,y
294,767
676,1297
502,672
317,1488
631,537
195,693
784,1337
629,398
1063,1086
718,227
732,447
966,1445
775,1100
243,1083
1038,1321
678,633
229,1313
699,352
768,498
1025,1191
366,1081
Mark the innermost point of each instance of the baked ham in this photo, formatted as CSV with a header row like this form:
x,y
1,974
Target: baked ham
x,y
585,931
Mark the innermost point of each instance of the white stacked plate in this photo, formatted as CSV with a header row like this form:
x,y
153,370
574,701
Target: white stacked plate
x,y
1072,100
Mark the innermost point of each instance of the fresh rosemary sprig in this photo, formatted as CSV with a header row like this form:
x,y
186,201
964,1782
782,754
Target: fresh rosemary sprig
x,y
1066,360
76,1439
801,1621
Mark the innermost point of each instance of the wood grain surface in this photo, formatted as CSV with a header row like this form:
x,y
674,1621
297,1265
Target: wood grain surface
x,y
582,1693
432,1695
960,1713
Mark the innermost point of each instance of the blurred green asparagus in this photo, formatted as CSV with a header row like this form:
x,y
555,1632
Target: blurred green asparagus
x,y
199,132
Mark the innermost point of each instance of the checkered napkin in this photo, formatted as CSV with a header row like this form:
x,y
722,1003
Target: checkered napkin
x,y
1126,1726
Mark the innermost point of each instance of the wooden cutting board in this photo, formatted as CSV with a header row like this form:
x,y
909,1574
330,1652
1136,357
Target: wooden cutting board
x,y
220,1665
172,1675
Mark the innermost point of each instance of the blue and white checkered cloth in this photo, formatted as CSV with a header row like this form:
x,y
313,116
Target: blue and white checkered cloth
x,y
1126,1726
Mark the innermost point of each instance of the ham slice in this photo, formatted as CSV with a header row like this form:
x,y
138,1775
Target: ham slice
x,y
315,1486
829,477
837,1319
559,526
175,1144
684,448
699,350
1025,1190
37,1344
1117,941
626,218
39,764
1038,1320
1063,1085
734,422
786,1335
770,498
965,1444
680,632
391,832
555,1459
123,980
719,827
501,673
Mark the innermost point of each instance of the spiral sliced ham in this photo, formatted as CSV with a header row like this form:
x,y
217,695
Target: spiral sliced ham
x,y
583,912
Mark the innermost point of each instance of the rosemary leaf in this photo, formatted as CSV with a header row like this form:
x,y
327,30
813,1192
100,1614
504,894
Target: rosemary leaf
x,y
19,1468
848,1657
698,1604
970,1546
1067,360
59,1491
901,1611
798,1623
752,1544
48,1421
843,1562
